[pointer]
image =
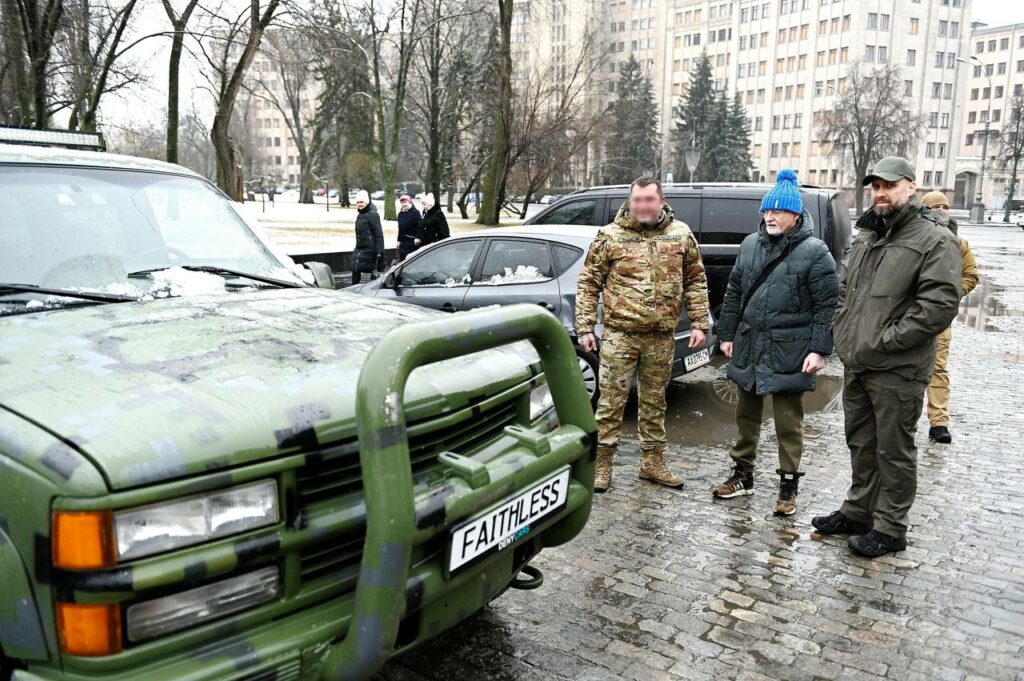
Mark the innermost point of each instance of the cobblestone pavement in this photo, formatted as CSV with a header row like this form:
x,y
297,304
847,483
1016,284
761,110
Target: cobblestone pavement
x,y
666,585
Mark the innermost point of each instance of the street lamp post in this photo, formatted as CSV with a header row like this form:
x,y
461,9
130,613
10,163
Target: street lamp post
x,y
692,154
978,209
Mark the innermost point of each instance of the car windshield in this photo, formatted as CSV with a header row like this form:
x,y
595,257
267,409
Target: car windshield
x,y
131,233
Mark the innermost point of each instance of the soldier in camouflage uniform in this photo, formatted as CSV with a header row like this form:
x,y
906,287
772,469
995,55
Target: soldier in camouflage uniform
x,y
645,263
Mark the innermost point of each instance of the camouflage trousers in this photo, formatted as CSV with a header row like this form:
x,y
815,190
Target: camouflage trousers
x,y
647,356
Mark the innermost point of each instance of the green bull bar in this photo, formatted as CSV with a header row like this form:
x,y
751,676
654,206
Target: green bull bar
x,y
401,591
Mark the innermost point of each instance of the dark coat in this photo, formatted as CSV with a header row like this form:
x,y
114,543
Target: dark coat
x,y
790,314
901,289
408,230
434,226
369,240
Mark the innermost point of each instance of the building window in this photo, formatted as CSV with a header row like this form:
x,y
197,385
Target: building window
x,y
940,59
1001,68
945,122
913,25
911,57
947,91
929,152
1004,44
936,90
927,178
869,53
938,178
872,21
943,27
972,117
942,150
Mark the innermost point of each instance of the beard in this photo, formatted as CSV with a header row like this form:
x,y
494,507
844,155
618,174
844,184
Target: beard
x,y
773,230
888,210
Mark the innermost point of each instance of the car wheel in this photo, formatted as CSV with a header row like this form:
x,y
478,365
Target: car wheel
x,y
589,365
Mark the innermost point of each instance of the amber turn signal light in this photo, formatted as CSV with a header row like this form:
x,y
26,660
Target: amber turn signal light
x,y
89,630
82,539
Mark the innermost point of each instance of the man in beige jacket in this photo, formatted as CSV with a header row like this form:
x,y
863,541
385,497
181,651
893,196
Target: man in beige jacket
x,y
938,387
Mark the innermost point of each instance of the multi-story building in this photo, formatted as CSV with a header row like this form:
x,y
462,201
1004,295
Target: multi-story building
x,y
995,79
789,61
267,144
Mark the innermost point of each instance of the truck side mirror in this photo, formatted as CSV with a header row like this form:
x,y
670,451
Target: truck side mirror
x,y
322,274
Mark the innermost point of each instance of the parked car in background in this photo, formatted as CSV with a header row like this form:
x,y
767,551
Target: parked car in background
x,y
538,265
721,215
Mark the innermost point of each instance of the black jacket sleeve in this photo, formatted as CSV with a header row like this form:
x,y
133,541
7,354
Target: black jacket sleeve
x,y
824,287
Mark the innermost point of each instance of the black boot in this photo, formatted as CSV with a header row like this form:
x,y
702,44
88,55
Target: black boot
x,y
875,544
940,434
837,523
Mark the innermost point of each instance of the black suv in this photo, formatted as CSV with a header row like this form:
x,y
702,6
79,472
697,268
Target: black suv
x,y
720,215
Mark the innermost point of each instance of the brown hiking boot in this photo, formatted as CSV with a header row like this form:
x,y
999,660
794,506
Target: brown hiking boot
x,y
603,474
653,468
786,505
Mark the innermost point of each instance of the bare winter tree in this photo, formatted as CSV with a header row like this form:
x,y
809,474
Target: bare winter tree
x,y
496,176
92,58
228,56
29,31
1011,148
448,62
392,34
551,122
179,23
873,117
287,87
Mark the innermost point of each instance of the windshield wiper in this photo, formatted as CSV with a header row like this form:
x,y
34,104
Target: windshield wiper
x,y
83,295
216,269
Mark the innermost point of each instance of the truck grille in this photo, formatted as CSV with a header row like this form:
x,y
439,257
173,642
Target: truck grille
x,y
335,472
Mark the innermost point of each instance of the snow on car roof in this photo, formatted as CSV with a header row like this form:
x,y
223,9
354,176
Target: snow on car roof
x,y
36,155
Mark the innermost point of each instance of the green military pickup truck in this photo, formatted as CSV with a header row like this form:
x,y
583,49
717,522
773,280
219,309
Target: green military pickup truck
x,y
211,468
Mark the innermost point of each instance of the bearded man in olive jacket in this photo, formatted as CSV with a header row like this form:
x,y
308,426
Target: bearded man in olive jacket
x,y
901,289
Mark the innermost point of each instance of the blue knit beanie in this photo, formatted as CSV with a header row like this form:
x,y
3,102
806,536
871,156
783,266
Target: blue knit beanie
x,y
785,195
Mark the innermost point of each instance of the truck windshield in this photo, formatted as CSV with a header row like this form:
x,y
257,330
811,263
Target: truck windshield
x,y
88,229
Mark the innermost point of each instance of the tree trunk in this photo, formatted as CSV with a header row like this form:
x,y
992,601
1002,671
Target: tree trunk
x,y
860,170
173,75
494,183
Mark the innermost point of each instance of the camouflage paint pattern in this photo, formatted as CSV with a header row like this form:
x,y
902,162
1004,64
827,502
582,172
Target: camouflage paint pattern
x,y
645,273
111,407
648,356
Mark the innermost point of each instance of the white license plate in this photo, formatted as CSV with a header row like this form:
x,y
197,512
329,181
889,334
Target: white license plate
x,y
697,359
509,521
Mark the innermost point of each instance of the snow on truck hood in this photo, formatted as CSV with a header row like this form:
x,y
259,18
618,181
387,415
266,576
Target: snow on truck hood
x,y
158,390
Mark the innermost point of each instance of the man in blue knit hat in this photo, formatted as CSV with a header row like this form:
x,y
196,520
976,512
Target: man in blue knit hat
x,y
776,329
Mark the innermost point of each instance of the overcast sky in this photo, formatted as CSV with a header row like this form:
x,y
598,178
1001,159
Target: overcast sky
x,y
997,12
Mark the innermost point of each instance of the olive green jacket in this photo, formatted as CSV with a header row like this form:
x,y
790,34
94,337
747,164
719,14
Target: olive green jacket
x,y
902,287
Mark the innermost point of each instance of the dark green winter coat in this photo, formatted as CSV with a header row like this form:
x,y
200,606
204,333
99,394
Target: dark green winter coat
x,y
902,288
788,317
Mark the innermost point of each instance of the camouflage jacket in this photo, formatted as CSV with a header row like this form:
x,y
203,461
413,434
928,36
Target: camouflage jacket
x,y
644,274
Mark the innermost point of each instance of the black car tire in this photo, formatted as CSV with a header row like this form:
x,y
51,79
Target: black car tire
x,y
589,367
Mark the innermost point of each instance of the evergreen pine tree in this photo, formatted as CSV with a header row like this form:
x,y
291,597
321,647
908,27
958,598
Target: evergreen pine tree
x,y
739,142
692,115
633,148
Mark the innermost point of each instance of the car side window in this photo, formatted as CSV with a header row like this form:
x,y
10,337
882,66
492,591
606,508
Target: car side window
x,y
686,209
614,205
565,256
516,261
572,213
729,220
446,265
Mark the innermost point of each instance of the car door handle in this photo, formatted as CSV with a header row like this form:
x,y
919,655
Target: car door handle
x,y
547,306
447,307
